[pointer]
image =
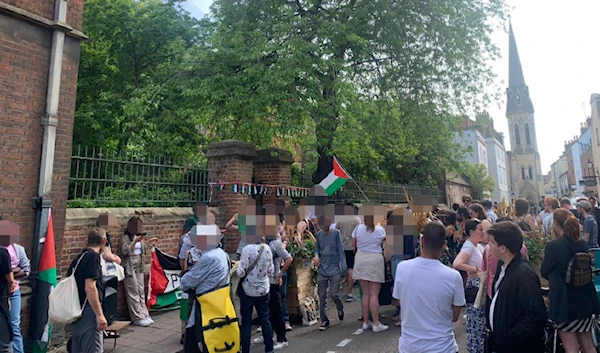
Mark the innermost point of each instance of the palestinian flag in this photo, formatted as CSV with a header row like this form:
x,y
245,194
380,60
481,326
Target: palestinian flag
x,y
40,329
331,175
164,282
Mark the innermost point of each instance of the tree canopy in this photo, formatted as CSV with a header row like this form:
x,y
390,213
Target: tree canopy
x,y
482,185
379,83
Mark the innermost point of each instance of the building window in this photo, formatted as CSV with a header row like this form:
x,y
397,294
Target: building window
x,y
530,173
523,173
517,136
527,135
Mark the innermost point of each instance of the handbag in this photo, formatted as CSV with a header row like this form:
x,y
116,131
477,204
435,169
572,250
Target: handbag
x,y
110,268
64,306
480,299
252,265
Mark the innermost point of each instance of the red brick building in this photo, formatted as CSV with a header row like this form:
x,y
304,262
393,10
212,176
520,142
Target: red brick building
x,y
39,57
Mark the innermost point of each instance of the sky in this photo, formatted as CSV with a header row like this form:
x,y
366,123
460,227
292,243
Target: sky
x,y
559,60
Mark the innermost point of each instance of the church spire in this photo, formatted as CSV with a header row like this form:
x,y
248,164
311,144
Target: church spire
x,y
518,100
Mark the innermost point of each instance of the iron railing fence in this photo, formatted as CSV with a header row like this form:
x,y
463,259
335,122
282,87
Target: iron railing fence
x,y
105,178
383,193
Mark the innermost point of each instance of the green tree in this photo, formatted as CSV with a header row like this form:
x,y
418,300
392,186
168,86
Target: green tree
x,y
133,77
482,185
307,68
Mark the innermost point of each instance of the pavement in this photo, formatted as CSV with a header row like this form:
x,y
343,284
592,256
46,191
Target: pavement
x,y
164,335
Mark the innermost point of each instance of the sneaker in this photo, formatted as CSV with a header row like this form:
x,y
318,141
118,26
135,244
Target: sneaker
x,y
150,320
288,327
380,328
350,298
259,329
341,314
280,345
142,322
396,318
324,326
259,340
366,327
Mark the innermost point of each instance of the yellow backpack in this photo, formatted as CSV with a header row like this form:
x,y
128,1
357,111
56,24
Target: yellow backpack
x,y
219,331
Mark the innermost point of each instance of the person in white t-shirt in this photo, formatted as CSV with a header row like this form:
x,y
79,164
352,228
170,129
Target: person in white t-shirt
x,y
369,269
470,260
430,295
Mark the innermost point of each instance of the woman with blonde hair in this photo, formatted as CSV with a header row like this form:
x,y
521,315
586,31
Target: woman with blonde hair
x,y
572,308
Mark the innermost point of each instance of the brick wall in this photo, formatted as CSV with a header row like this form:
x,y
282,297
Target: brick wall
x,y
273,167
24,63
231,161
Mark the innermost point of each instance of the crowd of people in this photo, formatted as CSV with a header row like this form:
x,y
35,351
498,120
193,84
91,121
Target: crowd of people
x,y
506,308
467,257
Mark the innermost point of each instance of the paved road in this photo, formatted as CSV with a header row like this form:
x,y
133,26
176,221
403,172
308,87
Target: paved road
x,y
339,337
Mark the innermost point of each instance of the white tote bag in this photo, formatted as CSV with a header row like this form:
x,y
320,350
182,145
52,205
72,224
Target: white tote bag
x,y
110,268
64,305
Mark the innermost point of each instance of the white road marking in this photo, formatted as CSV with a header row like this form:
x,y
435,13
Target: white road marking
x,y
330,352
358,332
344,343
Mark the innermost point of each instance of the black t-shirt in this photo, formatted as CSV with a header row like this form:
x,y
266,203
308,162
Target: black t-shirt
x,y
5,268
88,268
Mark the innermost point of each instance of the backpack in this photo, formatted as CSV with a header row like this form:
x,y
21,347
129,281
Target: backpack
x,y
64,306
217,327
580,270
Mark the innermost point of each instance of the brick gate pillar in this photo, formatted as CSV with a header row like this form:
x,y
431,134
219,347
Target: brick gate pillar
x,y
230,161
273,166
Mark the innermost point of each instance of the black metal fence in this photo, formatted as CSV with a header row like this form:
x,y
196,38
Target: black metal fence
x,y
383,193
101,178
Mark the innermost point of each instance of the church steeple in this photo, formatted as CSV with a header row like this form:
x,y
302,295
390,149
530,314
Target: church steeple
x,y
518,100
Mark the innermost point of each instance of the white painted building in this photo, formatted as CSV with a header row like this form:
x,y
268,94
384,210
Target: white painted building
x,y
479,153
577,149
496,154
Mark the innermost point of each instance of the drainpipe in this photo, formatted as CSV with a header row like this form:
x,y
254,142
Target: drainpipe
x,y
42,203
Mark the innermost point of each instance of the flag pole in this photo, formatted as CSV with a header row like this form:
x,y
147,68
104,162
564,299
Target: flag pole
x,y
359,189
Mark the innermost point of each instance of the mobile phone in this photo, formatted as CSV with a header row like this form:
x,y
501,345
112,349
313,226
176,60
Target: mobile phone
x,y
144,234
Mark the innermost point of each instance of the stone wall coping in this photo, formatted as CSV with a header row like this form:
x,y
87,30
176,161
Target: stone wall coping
x,y
274,154
231,148
153,212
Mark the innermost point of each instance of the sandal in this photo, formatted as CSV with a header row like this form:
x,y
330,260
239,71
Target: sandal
x,y
111,334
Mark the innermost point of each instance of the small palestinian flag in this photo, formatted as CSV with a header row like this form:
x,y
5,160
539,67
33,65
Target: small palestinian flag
x,y
331,176
40,329
164,282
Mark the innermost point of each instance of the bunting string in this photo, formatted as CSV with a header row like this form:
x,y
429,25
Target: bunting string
x,y
261,189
